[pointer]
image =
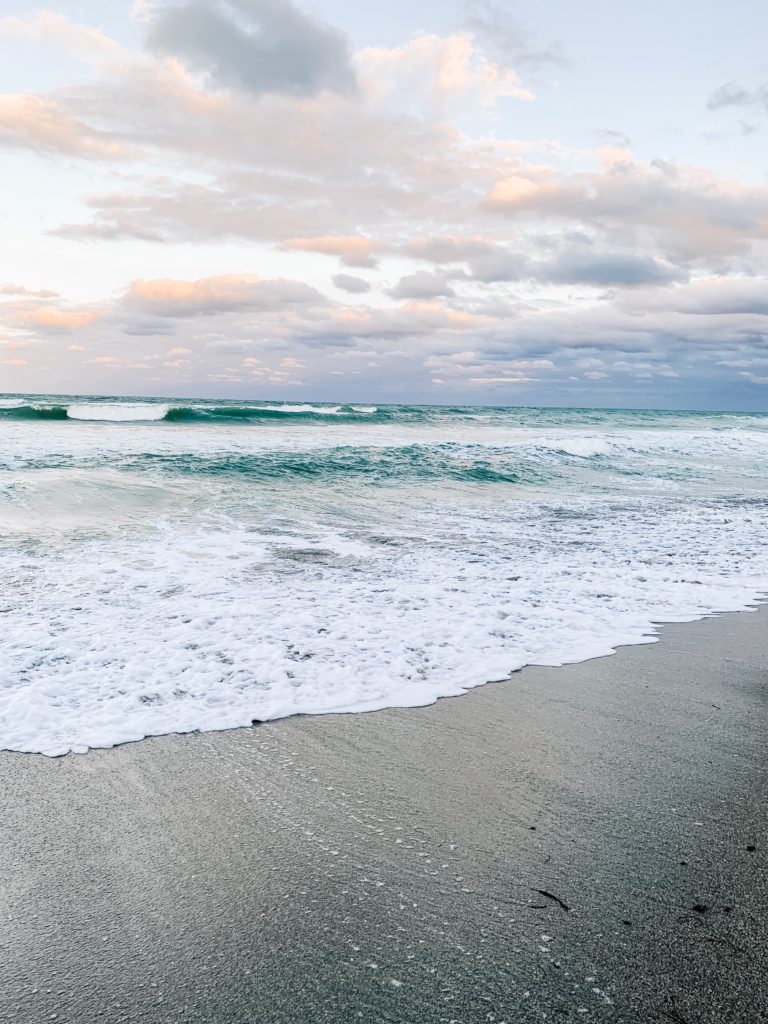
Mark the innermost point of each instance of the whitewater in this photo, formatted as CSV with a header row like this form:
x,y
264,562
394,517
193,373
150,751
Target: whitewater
x,y
174,565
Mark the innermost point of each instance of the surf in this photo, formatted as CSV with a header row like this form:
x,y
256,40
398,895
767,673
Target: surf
x,y
156,412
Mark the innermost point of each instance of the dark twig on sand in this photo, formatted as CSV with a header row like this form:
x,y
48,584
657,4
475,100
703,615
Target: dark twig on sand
x,y
550,896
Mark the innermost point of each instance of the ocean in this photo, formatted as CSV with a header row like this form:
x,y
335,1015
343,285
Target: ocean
x,y
175,565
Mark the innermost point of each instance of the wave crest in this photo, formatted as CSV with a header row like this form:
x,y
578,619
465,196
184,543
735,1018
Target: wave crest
x,y
117,412
156,412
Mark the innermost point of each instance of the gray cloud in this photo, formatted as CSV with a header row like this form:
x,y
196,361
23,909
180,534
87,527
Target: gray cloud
x,y
257,46
488,261
616,138
577,266
745,297
580,264
732,94
148,328
349,283
421,285
666,167
448,248
499,265
498,31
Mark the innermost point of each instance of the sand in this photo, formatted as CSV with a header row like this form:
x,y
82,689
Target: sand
x,y
393,867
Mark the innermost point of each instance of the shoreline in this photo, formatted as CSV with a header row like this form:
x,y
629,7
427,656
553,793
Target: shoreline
x,y
655,635
585,842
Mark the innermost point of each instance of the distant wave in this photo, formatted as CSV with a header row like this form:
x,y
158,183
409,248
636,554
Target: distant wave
x,y
321,410
136,410
153,412
34,412
255,413
117,412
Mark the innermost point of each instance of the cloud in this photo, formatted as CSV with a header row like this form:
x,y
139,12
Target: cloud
x,y
257,46
353,251
50,27
732,94
436,72
43,123
234,330
495,28
577,266
290,172
141,328
169,297
413,319
48,318
448,248
687,212
614,138
354,285
460,369
714,297
18,290
322,173
551,264
421,285
500,264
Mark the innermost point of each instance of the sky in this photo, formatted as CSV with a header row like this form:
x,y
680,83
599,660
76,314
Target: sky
x,y
455,201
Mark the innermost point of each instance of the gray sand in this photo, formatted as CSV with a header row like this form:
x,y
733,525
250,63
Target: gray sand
x,y
387,867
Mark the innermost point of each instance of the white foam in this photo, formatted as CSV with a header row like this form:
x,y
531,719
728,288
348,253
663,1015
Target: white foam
x,y
582,447
139,603
48,503
321,410
211,625
12,403
117,412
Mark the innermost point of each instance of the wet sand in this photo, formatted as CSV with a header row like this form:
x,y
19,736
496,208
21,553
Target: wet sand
x,y
585,843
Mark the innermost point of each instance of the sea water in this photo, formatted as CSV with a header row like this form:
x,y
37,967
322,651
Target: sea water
x,y
170,566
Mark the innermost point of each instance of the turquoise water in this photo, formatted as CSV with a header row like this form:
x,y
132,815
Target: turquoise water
x,y
172,565
210,411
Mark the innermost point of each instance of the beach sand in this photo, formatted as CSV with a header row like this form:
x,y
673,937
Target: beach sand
x,y
584,843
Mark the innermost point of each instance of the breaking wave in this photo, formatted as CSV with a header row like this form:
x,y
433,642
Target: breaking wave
x,y
151,412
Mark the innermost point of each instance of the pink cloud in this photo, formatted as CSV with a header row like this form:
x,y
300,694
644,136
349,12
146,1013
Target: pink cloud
x,y
178,298
50,318
352,250
43,123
